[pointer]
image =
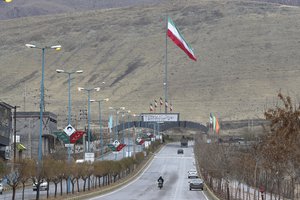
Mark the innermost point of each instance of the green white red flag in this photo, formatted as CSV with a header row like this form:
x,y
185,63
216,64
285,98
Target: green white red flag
x,y
179,40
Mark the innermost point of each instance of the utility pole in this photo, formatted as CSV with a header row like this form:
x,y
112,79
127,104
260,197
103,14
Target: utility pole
x,y
15,133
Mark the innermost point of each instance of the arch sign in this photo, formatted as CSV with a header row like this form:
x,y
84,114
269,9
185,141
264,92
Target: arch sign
x,y
160,117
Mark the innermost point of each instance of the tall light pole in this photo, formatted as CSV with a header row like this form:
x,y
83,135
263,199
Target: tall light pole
x,y
116,123
55,47
100,124
123,127
69,89
69,111
117,110
89,90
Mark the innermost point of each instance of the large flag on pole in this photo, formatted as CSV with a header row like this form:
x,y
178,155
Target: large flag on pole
x,y
179,40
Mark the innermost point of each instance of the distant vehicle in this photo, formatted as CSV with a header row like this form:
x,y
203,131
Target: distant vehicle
x,y
196,184
43,186
1,188
183,142
192,173
180,151
79,161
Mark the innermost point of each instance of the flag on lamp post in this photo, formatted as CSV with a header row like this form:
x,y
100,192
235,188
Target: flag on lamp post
x,y
151,107
171,107
155,103
166,103
210,120
161,101
175,35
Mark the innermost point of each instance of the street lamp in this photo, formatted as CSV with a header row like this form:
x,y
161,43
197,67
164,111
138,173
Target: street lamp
x,y
89,90
116,123
123,127
55,47
7,1
100,124
69,89
69,110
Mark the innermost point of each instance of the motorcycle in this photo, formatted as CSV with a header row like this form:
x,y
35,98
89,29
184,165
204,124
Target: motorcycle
x,y
160,184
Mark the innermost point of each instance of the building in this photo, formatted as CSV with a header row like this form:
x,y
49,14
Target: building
x,y
5,129
28,130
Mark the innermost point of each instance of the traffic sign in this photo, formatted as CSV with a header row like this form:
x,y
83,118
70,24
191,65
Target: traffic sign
x,y
69,130
89,157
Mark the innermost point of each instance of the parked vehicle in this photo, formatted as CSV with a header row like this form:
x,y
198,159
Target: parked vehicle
x,y
196,184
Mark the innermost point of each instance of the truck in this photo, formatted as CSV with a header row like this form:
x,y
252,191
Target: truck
x,y
183,142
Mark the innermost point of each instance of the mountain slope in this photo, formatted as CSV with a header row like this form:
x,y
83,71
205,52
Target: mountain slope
x,y
246,52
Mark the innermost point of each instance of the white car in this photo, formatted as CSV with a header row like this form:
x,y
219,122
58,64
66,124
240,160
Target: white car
x,y
43,186
1,188
192,173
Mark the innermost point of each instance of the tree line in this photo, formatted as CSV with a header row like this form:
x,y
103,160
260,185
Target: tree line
x,y
58,171
268,163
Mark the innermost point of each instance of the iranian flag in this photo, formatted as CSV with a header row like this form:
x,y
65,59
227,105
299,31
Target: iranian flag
x,y
179,40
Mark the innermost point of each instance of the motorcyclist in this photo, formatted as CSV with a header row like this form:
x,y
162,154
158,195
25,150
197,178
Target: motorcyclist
x,y
160,179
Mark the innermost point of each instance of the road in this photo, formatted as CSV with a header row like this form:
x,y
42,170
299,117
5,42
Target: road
x,y
172,167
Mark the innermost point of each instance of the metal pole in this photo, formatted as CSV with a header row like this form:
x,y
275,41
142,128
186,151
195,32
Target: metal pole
x,y
69,92
123,137
15,134
117,122
116,132
41,109
166,71
69,122
89,116
128,147
101,136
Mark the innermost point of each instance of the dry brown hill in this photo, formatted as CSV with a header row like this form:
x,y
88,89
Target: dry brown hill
x,y
246,52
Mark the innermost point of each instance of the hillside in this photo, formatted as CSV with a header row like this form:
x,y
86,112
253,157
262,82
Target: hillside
x,y
247,51
27,8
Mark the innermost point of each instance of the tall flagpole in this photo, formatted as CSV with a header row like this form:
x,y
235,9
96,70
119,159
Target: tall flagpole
x,y
166,64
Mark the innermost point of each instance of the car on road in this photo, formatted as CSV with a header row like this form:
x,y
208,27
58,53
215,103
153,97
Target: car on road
x,y
196,184
43,186
192,173
1,188
180,151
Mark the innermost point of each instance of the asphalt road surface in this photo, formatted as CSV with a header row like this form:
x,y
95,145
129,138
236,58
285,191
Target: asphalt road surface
x,y
173,167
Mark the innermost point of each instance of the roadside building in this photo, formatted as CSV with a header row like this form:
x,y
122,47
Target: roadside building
x,y
28,130
5,129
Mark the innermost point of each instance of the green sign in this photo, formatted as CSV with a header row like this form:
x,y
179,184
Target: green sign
x,y
62,136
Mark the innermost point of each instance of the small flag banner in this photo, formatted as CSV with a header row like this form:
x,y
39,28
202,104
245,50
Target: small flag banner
x,y
116,146
214,123
161,101
151,107
76,136
112,147
120,147
139,141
